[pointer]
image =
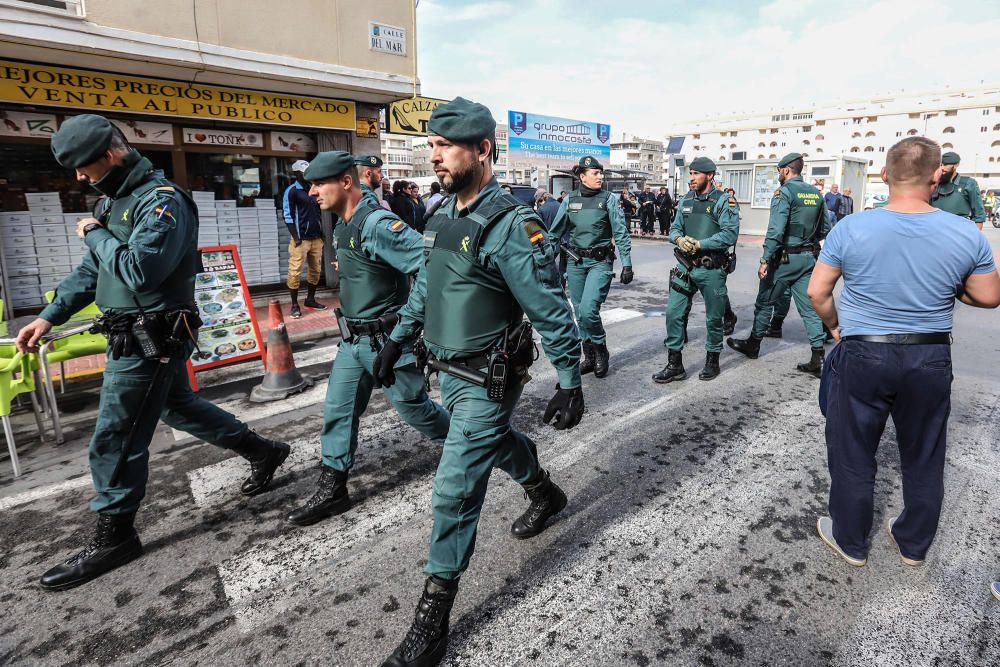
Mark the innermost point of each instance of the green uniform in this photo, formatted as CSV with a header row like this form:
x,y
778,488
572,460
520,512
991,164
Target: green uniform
x,y
377,253
592,219
798,221
713,219
961,197
486,266
148,250
369,195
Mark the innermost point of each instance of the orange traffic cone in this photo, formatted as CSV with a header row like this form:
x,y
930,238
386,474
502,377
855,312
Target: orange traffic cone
x,y
281,379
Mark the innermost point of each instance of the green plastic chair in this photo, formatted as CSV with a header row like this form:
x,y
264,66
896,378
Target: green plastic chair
x,y
74,347
16,377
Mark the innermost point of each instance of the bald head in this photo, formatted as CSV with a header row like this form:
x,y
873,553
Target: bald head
x,y
913,162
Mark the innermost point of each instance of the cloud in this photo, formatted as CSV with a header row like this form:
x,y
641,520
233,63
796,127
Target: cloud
x,y
653,65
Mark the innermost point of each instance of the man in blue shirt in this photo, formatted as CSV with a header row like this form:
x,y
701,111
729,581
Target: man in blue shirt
x,y
832,199
302,217
903,266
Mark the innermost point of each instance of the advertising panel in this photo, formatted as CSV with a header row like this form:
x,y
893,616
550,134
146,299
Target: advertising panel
x,y
555,142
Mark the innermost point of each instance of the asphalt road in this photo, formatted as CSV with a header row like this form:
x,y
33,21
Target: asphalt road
x,y
689,538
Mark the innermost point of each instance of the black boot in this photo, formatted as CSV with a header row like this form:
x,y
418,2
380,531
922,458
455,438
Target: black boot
x,y
673,371
115,543
728,320
331,498
774,328
748,346
264,456
311,301
711,369
296,311
815,365
427,639
587,363
601,359
547,500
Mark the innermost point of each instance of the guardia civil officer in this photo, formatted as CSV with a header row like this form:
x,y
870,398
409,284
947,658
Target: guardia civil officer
x,y
797,224
369,176
707,224
488,263
592,217
140,268
958,194
376,254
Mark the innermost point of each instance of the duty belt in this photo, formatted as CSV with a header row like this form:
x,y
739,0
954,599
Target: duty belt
x,y
941,337
600,253
799,249
376,329
711,259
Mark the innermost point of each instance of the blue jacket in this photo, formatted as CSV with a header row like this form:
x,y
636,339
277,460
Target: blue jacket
x,y
302,212
547,212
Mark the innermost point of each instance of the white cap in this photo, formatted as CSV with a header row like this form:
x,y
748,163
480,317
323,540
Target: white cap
x,y
300,165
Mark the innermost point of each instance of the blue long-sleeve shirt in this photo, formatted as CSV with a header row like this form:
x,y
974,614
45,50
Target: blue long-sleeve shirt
x,y
302,212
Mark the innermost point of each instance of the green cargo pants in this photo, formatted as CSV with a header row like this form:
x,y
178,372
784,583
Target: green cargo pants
x,y
479,440
712,285
126,381
349,390
589,282
780,279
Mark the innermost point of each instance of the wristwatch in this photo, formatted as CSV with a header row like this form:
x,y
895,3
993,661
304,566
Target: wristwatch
x,y
91,227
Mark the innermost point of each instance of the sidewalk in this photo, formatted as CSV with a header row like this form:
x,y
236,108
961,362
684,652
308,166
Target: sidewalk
x,y
744,240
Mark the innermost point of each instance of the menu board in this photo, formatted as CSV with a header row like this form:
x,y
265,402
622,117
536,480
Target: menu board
x,y
229,330
765,182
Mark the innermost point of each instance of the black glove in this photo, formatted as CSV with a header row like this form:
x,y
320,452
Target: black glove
x,y
627,276
567,408
387,357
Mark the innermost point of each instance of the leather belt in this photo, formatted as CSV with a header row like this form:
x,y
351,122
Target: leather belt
x,y
799,249
942,337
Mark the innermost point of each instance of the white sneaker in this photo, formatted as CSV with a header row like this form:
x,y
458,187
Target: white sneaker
x,y
824,526
906,561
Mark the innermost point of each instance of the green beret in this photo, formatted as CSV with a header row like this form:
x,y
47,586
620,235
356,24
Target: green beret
x,y
702,164
82,140
951,157
328,164
590,162
788,159
372,161
462,121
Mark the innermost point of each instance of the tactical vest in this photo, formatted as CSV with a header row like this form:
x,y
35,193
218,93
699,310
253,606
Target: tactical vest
x,y
805,215
368,286
953,198
699,215
590,219
177,289
468,305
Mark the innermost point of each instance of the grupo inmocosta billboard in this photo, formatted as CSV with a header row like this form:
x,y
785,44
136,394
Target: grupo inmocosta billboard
x,y
557,142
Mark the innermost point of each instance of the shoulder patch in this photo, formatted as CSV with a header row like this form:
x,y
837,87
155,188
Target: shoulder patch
x,y
397,226
534,231
165,188
732,202
777,193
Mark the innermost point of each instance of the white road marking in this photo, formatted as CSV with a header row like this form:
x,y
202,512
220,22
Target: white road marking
x,y
44,492
616,315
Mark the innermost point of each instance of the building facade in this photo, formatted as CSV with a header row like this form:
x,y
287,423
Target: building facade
x,y
397,156
966,121
638,155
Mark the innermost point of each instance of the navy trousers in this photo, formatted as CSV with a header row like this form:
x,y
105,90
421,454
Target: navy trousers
x,y
866,383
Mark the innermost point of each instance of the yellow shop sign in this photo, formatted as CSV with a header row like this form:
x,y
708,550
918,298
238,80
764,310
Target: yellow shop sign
x,y
26,83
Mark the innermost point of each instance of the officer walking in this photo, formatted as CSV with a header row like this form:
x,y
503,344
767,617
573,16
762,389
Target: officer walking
x,y
488,263
376,253
591,216
797,224
140,269
958,194
707,224
369,177
302,218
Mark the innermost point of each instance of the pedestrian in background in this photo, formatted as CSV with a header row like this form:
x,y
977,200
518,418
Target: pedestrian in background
x,y
402,204
628,208
647,210
547,209
894,324
386,195
419,210
846,205
302,218
832,200
434,200
664,210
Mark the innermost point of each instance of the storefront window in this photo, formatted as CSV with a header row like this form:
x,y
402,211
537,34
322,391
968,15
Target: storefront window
x,y
245,178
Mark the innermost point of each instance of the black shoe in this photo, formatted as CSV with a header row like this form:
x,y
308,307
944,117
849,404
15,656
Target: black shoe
x,y
264,456
587,363
296,311
774,328
729,323
711,369
547,500
311,301
748,346
815,365
115,543
331,498
601,359
673,371
427,639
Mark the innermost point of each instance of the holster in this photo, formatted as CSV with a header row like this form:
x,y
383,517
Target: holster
x,y
149,335
680,281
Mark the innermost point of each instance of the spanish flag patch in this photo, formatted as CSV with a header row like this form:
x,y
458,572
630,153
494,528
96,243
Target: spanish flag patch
x,y
732,202
397,226
535,232
161,212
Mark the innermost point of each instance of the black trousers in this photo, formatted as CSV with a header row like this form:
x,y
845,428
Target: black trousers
x,y
647,216
864,384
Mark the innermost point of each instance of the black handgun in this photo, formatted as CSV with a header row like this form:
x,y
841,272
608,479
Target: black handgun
x,y
684,259
569,253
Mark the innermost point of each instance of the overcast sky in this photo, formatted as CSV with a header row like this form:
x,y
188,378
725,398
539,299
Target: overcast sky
x,y
653,64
